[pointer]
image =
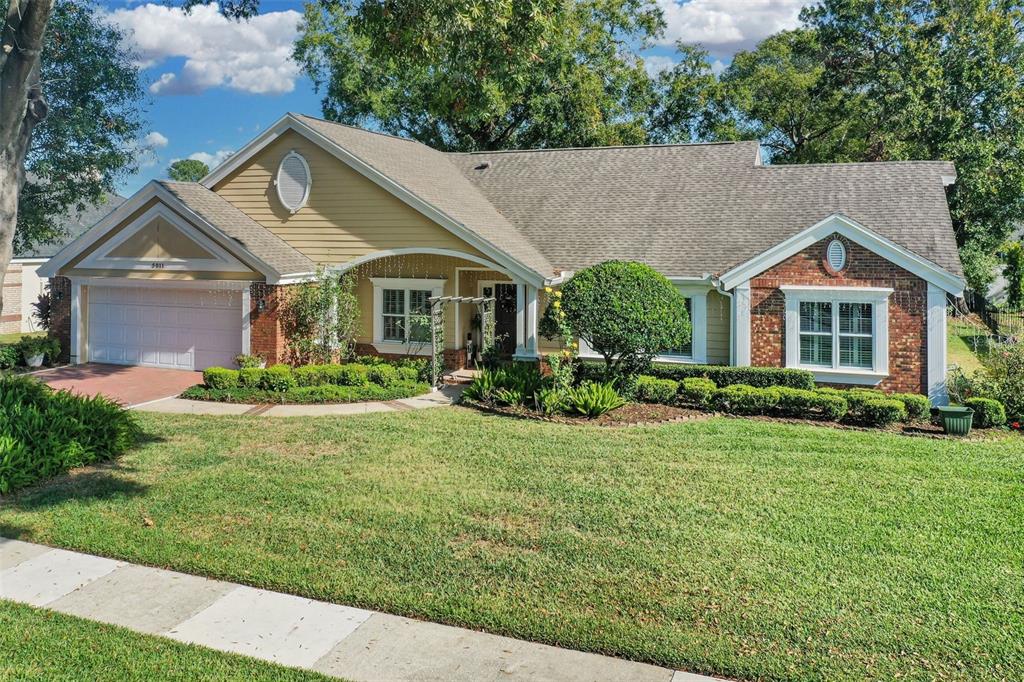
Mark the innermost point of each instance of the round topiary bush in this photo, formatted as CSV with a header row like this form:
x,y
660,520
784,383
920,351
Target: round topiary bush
x,y
626,312
654,390
882,411
696,391
987,412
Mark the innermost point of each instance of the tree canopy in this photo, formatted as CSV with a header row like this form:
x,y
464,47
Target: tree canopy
x,y
188,170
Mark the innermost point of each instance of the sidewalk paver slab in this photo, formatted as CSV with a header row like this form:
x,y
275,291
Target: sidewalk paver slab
x,y
13,552
181,406
49,576
144,599
274,627
326,410
421,651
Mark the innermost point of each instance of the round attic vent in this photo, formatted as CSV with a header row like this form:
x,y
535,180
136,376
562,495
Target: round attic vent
x,y
293,181
836,255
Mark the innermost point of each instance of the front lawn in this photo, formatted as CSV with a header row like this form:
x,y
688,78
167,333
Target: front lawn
x,y
743,548
43,645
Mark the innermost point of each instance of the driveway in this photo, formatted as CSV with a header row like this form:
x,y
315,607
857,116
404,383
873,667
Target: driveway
x,y
128,385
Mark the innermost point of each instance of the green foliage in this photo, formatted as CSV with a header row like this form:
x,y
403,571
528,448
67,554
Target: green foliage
x,y
882,411
88,142
653,390
1013,271
44,432
320,318
593,399
383,375
299,395
310,375
549,401
245,361
220,377
740,399
48,347
277,378
483,386
9,357
515,384
721,375
250,377
188,170
464,75
627,312
804,404
917,406
696,391
348,374
987,412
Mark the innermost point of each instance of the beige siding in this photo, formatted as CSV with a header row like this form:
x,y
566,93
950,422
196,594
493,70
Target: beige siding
x,y
159,240
346,216
718,329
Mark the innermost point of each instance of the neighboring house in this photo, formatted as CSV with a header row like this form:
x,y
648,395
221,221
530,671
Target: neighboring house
x,y
843,269
22,284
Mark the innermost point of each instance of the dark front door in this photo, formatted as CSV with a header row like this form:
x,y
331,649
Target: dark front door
x,y
505,318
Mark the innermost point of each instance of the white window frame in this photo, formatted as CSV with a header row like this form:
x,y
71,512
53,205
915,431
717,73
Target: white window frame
x,y
878,297
435,286
309,181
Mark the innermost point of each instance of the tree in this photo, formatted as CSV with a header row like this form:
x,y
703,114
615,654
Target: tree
x,y
188,170
627,312
471,75
66,150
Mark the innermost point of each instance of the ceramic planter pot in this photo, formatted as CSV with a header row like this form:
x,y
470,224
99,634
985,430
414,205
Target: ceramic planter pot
x,y
34,361
956,421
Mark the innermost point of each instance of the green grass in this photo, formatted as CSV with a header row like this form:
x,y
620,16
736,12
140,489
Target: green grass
x,y
744,548
8,339
966,345
43,645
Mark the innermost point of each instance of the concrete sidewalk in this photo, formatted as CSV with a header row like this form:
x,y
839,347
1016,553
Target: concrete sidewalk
x,y
447,395
336,640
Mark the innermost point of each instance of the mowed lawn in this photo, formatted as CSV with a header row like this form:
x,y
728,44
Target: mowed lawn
x,y
736,547
43,645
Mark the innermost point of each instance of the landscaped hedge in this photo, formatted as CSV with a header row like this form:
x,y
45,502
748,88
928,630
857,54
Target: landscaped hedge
x,y
759,377
987,412
44,432
351,382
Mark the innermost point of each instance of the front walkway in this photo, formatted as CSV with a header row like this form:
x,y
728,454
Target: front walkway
x,y
447,395
336,640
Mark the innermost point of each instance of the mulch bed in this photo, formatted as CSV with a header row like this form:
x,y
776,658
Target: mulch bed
x,y
630,414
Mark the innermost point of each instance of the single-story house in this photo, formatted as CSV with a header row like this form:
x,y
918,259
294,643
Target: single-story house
x,y
842,269
22,284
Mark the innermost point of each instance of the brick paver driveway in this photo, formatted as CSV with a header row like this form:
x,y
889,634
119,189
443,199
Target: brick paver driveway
x,y
127,385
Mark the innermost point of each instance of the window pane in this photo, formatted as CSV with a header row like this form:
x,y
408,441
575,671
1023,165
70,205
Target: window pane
x,y
394,301
855,351
686,350
394,328
816,350
418,303
815,317
854,318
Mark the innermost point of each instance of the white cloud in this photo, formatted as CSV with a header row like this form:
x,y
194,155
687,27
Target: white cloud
x,y
211,160
155,140
252,56
725,26
656,63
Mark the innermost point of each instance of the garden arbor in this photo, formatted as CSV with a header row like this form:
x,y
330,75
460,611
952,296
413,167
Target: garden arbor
x,y
437,308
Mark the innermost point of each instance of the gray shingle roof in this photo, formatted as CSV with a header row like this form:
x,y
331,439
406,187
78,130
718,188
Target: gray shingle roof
x,y
688,210
75,224
256,239
434,177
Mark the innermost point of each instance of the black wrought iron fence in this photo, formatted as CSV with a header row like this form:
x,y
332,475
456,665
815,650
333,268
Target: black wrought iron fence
x,y
1003,322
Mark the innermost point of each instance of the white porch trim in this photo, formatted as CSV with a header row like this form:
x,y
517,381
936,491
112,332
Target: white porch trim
x,y
740,350
382,345
937,341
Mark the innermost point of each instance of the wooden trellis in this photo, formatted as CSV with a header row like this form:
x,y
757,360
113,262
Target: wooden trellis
x,y
437,307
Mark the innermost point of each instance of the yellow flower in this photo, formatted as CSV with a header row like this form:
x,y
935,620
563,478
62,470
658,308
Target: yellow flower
x,y
558,294
547,290
557,304
575,344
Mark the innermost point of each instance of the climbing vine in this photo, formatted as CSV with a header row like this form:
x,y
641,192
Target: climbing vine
x,y
320,318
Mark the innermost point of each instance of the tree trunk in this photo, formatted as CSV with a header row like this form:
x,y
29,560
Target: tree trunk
x,y
21,106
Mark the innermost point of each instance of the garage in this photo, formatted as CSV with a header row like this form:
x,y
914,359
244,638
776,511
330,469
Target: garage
x,y
164,326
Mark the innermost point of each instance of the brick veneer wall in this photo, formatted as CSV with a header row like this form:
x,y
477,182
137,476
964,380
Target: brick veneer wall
x,y
10,314
908,309
266,337
60,314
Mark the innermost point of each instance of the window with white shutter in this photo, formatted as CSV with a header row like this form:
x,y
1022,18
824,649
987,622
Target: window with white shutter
x,y
293,181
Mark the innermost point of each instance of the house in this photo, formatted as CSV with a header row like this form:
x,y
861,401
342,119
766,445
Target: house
x,y
843,269
22,284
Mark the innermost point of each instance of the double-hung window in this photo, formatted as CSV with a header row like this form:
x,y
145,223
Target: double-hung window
x,y
401,312
838,331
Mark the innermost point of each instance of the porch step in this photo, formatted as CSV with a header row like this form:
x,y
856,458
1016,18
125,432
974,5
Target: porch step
x,y
460,376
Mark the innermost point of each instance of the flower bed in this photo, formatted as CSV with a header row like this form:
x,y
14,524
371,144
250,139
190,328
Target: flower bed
x,y
311,384
630,414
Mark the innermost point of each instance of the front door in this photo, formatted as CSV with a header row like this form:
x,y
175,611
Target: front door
x,y
504,315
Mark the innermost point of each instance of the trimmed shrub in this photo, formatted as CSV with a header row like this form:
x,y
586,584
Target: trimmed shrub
x,y
44,432
696,391
856,397
349,374
220,377
325,393
592,399
383,375
652,390
250,377
882,411
9,357
917,406
277,378
408,373
797,402
243,361
831,407
987,412
310,375
741,399
721,375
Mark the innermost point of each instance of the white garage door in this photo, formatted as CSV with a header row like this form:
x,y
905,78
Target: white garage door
x,y
164,327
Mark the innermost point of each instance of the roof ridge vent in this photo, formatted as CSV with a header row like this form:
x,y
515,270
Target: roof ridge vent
x,y
482,166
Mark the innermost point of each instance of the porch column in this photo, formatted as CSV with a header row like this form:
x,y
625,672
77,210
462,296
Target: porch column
x,y
76,322
531,320
520,320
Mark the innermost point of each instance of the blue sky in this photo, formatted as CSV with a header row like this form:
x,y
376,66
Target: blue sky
x,y
214,84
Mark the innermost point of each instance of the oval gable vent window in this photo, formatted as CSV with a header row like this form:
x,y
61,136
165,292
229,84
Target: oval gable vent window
x,y
293,181
836,255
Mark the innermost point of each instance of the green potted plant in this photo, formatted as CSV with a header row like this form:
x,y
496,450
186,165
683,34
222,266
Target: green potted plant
x,y
250,361
35,349
956,419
